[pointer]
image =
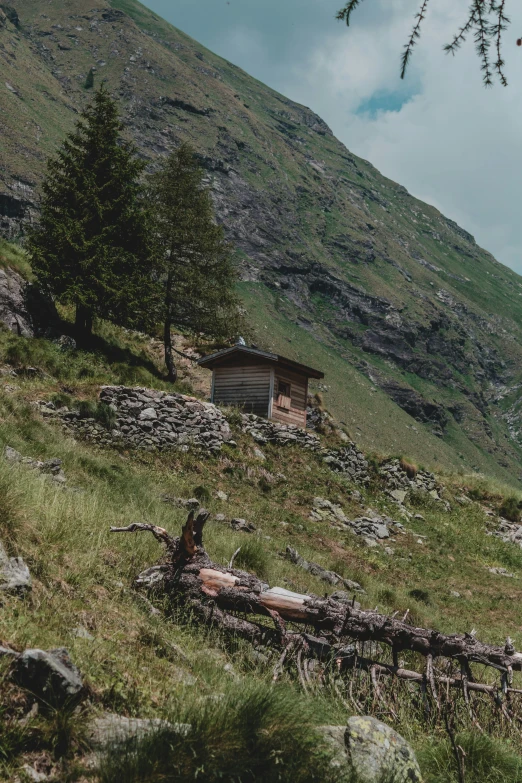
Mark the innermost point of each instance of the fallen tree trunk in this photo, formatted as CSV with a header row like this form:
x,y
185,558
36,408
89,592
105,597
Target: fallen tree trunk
x,y
227,596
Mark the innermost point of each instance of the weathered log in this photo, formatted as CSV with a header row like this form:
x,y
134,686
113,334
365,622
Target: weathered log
x,y
216,591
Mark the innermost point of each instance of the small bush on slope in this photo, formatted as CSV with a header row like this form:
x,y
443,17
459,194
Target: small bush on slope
x,y
253,732
486,760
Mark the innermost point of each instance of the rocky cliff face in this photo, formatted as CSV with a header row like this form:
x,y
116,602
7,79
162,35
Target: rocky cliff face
x,y
392,288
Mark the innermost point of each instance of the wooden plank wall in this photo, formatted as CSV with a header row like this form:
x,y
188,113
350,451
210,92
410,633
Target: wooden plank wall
x,y
246,386
299,393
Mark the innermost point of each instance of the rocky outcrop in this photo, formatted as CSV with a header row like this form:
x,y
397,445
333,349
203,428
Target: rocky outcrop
x,y
396,478
50,467
264,431
13,303
15,577
419,408
330,577
23,309
51,676
372,527
349,461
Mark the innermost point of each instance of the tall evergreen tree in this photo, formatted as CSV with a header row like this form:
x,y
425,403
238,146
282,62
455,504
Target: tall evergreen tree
x,y
198,271
91,247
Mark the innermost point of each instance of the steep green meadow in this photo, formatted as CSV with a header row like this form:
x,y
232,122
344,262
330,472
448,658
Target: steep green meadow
x,y
144,665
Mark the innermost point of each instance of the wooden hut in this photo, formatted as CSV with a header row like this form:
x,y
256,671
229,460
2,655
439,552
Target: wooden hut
x,y
262,383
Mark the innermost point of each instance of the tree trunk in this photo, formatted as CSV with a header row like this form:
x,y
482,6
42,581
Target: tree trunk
x,y
83,322
220,594
167,335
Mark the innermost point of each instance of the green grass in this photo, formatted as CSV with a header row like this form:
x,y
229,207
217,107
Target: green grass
x,y
83,577
254,731
485,761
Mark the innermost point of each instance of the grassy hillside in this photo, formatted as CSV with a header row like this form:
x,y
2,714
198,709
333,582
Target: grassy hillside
x,y
144,665
399,297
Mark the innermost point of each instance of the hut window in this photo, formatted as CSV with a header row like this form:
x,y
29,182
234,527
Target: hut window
x,y
284,399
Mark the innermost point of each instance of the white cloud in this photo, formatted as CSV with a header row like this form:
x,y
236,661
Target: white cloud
x,y
454,143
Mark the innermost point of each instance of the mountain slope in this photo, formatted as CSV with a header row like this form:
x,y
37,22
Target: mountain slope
x,y
417,327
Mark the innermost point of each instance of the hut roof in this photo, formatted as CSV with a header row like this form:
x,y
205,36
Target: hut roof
x,y
216,359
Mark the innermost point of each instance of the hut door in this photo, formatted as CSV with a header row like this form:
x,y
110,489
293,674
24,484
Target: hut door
x,y
284,395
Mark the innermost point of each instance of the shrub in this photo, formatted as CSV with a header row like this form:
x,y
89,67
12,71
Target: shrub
x,y
264,485
100,411
61,400
87,409
487,760
409,468
422,596
253,556
202,493
510,509
256,733
233,416
89,81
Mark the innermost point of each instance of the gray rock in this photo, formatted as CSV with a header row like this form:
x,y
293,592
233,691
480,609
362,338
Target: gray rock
x,y
333,737
221,495
12,455
242,525
148,414
32,774
14,574
111,729
13,303
399,495
501,572
51,676
82,633
322,573
377,753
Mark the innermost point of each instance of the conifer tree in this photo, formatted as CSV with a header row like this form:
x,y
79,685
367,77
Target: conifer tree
x,y
91,247
198,270
89,81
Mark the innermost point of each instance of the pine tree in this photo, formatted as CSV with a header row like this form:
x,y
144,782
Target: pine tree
x,y
89,81
91,247
198,270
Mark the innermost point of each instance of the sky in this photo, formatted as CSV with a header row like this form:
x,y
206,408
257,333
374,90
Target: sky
x,y
440,132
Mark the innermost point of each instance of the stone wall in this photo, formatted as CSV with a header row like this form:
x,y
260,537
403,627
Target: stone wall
x,y
155,420
152,420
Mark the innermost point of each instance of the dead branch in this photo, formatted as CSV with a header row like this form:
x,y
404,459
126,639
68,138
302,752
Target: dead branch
x,y
158,532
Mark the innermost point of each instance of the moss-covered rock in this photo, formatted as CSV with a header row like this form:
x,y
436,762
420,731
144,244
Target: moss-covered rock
x,y
377,753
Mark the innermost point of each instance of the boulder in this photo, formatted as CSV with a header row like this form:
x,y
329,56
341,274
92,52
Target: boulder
x,y
14,574
376,752
399,495
50,675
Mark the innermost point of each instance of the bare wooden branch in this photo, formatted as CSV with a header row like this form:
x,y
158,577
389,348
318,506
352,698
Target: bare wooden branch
x,y
238,550
158,532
